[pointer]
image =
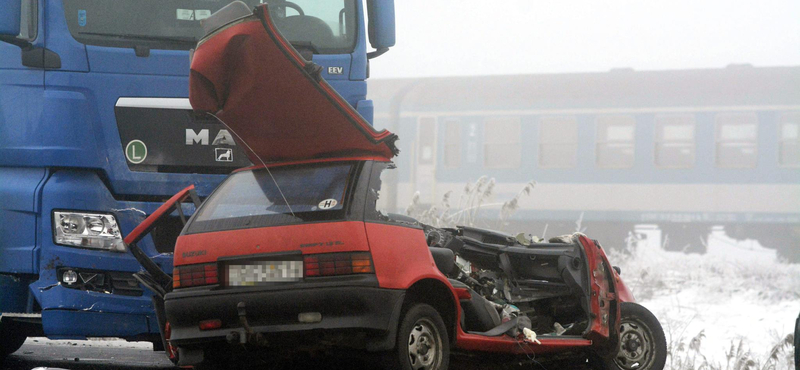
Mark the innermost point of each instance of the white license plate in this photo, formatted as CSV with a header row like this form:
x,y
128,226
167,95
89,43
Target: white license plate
x,y
264,272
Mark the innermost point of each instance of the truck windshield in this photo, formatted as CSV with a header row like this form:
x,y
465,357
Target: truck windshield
x,y
329,26
251,199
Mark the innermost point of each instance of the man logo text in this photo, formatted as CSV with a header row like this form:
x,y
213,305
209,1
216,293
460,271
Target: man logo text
x,y
223,137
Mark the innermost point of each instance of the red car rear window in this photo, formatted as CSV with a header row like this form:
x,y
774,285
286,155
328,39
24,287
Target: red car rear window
x,y
303,193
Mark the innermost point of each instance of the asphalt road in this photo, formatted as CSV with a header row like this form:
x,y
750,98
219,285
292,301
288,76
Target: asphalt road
x,y
121,355
84,355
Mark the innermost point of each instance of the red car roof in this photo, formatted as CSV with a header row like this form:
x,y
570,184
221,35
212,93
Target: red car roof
x,y
273,100
315,160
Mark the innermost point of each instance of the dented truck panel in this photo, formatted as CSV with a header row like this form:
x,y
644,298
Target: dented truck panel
x,y
118,307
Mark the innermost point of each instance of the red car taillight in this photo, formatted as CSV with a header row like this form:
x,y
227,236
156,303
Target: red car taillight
x,y
210,324
195,275
330,264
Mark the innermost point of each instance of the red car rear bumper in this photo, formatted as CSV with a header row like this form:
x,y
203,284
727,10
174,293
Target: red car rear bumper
x,y
346,304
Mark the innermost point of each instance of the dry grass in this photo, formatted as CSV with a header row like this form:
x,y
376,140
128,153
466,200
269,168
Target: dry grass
x,y
656,273
661,272
683,355
476,197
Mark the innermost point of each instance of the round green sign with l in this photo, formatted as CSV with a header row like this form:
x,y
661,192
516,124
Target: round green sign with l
x,y
136,151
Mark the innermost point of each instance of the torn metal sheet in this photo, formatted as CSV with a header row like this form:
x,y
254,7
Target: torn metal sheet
x,y
273,100
43,289
131,209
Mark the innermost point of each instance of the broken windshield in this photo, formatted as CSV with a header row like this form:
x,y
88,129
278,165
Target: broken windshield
x,y
251,198
328,26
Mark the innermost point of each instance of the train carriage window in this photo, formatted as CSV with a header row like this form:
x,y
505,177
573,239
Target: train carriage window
x,y
675,145
424,173
426,141
737,135
558,142
789,146
616,139
502,147
452,143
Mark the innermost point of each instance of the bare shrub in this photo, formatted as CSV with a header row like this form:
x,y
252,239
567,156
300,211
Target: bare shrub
x,y
664,272
476,197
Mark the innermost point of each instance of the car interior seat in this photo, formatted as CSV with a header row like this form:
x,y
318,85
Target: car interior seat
x,y
479,314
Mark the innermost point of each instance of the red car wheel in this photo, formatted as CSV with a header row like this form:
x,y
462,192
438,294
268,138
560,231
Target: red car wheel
x,y
797,344
642,344
422,342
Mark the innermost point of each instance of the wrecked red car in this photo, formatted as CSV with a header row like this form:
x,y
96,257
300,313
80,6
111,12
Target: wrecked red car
x,y
297,252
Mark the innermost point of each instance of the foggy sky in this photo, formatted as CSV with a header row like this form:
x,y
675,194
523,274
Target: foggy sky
x,y
465,37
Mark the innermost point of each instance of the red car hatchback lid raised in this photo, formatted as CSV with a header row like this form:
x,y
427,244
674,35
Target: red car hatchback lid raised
x,y
249,76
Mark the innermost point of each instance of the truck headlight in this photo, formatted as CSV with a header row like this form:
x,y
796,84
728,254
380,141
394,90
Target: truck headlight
x,y
87,230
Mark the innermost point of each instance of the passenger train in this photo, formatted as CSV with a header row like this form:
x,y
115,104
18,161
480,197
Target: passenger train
x,y
686,150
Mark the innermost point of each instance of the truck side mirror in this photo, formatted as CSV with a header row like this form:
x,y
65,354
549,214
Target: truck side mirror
x,y
10,17
381,23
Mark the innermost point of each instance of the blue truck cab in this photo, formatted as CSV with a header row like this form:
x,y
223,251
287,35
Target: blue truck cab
x,y
96,131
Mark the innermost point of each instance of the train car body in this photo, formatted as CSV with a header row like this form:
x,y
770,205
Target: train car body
x,y
685,150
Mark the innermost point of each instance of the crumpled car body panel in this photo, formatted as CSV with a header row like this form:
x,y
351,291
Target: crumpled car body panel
x,y
275,102
360,267
574,268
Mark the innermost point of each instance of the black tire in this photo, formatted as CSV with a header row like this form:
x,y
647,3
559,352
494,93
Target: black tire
x,y
642,344
11,338
422,341
797,344
220,356
209,365
158,345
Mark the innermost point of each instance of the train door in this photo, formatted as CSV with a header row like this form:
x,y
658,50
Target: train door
x,y
425,160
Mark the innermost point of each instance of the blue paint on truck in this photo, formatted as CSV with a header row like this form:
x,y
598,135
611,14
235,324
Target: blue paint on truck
x,y
77,87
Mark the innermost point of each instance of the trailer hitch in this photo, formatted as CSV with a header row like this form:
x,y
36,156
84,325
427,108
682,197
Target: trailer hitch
x,y
250,335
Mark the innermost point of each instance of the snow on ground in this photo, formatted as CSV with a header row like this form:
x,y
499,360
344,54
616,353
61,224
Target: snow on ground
x,y
736,302
730,309
92,342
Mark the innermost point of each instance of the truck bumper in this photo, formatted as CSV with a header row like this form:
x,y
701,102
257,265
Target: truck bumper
x,y
71,324
72,313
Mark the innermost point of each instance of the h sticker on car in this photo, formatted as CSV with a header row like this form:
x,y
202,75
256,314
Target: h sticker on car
x,y
328,204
